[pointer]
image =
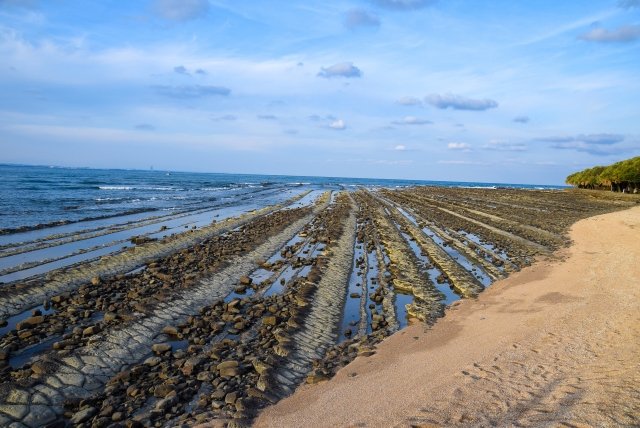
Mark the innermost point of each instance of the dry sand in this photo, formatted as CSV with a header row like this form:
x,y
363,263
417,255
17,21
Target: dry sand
x,y
555,344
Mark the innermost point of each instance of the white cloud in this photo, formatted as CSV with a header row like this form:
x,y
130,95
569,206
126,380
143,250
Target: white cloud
x,y
400,148
459,146
458,102
341,69
181,10
412,120
605,139
505,146
409,101
627,33
191,91
338,125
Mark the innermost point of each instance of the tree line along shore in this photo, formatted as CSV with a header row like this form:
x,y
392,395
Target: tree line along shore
x,y
623,176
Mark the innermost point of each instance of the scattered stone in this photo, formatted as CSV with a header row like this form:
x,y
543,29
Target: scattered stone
x,y
152,361
163,390
170,330
230,398
30,322
83,415
161,348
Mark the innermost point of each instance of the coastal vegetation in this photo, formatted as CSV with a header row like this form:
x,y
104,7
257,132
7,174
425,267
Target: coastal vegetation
x,y
623,176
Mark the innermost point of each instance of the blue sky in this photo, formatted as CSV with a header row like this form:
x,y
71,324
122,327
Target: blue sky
x,y
445,90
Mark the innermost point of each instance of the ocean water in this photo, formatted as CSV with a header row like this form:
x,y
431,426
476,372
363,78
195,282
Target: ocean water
x,y
33,196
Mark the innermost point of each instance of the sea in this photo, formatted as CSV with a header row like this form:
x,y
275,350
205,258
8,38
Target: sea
x,y
57,218
37,196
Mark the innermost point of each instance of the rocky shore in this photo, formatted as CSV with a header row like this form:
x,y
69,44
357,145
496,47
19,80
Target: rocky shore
x,y
219,323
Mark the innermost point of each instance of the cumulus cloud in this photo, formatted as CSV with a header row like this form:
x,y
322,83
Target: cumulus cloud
x,y
459,146
412,120
341,69
181,10
403,4
145,127
358,17
226,117
338,125
628,4
627,33
266,117
595,144
191,91
400,148
505,146
598,139
521,119
409,101
458,102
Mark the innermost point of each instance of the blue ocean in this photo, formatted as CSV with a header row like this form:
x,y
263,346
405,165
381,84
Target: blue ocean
x,y
33,196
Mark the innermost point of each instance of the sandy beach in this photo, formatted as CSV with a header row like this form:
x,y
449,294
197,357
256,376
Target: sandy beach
x,y
555,344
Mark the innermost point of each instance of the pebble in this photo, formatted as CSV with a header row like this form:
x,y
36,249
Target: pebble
x,y
170,330
83,415
152,361
160,348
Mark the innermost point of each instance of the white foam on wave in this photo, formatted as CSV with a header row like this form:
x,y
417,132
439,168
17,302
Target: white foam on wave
x,y
161,188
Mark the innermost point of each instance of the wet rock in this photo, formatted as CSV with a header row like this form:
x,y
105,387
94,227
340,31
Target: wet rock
x,y
110,316
190,365
83,415
227,364
161,348
245,280
231,397
218,394
163,390
270,320
260,366
41,367
30,322
117,416
152,361
170,330
95,280
167,402
90,331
